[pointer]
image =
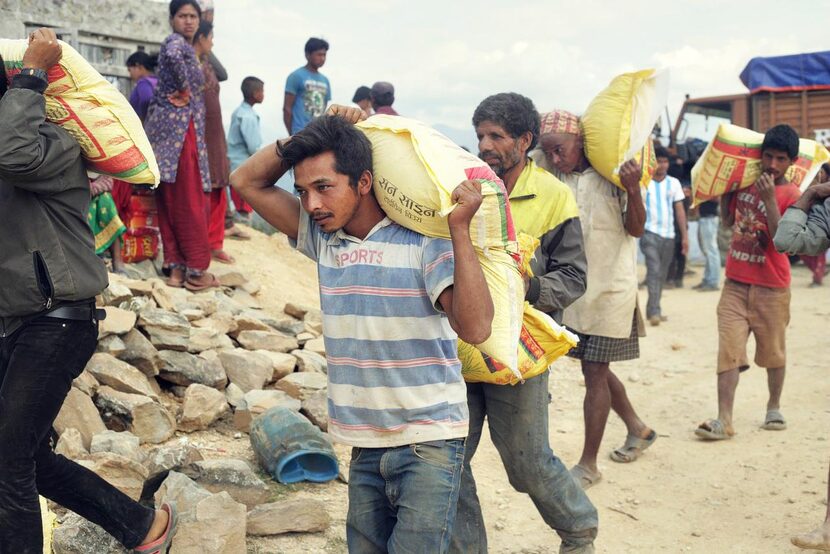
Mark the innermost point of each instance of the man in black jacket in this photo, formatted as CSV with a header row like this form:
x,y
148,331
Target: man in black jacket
x,y
49,276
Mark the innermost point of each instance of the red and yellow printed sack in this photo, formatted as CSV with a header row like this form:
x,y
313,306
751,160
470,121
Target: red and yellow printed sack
x,y
732,161
95,113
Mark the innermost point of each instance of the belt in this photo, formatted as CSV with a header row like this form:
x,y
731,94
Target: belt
x,y
77,313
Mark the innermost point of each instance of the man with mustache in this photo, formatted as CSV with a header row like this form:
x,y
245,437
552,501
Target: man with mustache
x,y
507,126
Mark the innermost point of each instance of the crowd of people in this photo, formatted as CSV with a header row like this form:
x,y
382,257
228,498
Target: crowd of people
x,y
394,311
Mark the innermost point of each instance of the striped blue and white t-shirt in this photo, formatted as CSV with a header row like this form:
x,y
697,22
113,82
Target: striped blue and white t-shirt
x,y
660,199
394,373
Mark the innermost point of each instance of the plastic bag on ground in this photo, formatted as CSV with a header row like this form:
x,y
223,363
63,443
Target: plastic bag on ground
x,y
94,112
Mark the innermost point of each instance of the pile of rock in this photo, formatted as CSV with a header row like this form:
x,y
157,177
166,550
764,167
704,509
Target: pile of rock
x,y
170,361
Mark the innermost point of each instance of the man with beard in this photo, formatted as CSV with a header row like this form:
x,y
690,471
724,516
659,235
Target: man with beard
x,y
607,317
507,126
756,296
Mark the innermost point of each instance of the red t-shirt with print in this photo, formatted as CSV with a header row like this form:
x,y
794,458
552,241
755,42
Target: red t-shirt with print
x,y
752,257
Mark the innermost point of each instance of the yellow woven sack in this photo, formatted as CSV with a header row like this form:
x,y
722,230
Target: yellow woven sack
x,y
416,168
541,340
95,113
732,161
415,171
617,124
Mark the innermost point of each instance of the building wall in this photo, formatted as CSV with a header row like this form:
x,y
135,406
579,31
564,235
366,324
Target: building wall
x,y
105,32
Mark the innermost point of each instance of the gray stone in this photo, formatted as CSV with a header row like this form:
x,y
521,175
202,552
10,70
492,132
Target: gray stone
x,y
78,412
182,490
283,363
206,302
140,415
117,322
116,293
235,396
244,299
228,276
219,322
124,444
168,458
224,303
164,339
310,361
163,319
119,375
202,406
295,515
191,314
76,535
316,345
112,345
314,322
141,270
86,383
216,524
251,287
71,445
304,337
138,287
302,385
258,401
141,353
186,369
245,322
267,340
296,310
248,370
207,339
168,298
232,476
282,323
137,304
316,408
126,475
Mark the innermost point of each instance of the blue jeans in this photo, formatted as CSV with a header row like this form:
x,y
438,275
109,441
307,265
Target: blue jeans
x,y
37,365
518,421
404,499
707,235
658,252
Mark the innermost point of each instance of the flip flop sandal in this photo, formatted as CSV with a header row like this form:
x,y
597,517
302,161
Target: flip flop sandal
x,y
633,448
585,478
813,540
194,287
162,544
715,432
774,421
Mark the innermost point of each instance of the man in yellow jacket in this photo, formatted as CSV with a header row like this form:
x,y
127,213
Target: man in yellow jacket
x,y
507,126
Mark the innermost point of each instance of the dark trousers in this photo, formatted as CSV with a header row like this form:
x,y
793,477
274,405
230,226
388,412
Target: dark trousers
x,y
658,252
37,365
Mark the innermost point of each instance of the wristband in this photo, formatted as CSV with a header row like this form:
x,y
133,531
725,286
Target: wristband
x,y
34,72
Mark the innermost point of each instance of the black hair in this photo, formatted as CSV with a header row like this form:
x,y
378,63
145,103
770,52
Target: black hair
x,y
383,99
205,29
176,5
4,85
250,85
515,113
143,59
781,137
352,150
362,93
661,152
313,44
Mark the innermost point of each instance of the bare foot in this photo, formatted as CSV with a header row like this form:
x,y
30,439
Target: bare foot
x,y
818,539
158,527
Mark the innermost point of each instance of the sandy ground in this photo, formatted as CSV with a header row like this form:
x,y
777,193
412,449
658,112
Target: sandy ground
x,y
747,495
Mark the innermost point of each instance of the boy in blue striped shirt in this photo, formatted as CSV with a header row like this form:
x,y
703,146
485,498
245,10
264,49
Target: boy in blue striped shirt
x,y
664,203
394,304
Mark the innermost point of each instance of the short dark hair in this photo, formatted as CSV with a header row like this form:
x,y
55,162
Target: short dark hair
x,y
781,137
362,93
143,59
352,150
661,152
3,83
176,5
515,113
205,29
313,44
250,85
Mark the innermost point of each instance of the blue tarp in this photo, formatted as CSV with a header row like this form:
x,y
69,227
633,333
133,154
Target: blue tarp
x,y
788,73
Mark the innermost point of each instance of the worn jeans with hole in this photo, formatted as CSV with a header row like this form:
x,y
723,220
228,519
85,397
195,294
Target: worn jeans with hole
x,y
658,252
403,500
707,235
518,421
37,365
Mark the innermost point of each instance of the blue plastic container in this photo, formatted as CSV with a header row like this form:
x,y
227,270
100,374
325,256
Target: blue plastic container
x,y
291,448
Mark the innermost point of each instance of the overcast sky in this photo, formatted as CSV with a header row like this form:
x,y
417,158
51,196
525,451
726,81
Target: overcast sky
x,y
445,56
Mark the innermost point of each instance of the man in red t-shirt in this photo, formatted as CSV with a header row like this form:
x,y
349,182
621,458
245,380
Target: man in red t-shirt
x,y
756,297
